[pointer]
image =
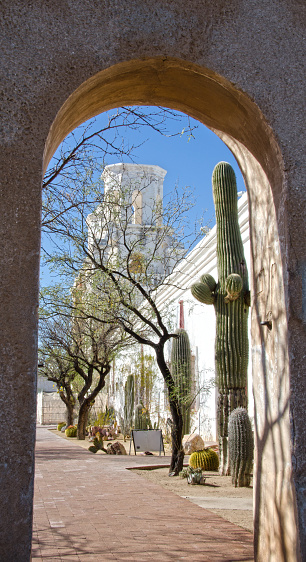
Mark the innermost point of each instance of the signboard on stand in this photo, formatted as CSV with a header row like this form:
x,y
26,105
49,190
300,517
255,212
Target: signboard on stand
x,y
147,440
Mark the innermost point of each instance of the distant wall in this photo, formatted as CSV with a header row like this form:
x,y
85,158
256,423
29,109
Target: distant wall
x,y
50,408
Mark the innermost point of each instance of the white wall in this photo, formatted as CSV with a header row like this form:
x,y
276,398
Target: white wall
x,y
200,324
50,408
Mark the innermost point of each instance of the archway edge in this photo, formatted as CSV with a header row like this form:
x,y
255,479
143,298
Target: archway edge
x,y
176,84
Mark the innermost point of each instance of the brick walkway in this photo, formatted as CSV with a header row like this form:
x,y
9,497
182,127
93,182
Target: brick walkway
x,y
90,508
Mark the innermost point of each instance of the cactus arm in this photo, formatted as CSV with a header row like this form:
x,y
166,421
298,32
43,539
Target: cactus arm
x,y
202,293
233,286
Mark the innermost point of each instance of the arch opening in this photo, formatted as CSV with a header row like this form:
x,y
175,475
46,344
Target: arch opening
x,y
216,103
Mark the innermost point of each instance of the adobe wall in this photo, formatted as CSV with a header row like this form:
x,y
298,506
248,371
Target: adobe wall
x,y
237,66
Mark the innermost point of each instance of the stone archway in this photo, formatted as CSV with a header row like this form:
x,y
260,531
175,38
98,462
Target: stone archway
x,y
216,103
60,69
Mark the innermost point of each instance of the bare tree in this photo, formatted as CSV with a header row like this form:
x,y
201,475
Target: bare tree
x,y
124,266
69,182
85,347
56,366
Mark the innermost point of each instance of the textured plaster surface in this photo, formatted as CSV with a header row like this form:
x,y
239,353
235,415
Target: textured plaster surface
x,y
238,67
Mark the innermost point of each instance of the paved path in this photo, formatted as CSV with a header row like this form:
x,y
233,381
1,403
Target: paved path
x,y
90,508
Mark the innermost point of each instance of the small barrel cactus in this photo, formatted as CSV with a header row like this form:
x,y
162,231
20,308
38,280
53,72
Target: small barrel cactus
x,y
241,447
206,459
181,374
60,426
71,431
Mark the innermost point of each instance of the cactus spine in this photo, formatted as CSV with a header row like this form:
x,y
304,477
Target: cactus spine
x,y
241,447
128,403
181,374
206,460
230,298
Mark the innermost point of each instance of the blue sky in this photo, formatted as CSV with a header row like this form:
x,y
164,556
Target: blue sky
x,y
188,161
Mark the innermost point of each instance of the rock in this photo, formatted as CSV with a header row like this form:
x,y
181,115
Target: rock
x,y
192,443
116,449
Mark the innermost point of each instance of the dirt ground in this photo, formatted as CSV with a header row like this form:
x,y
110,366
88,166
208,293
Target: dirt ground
x,y
215,487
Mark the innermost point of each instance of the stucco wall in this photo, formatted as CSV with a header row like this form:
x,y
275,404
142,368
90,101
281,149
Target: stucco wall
x,y
238,67
50,408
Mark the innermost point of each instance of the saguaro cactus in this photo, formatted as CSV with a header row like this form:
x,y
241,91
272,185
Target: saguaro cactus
x,y
142,418
231,299
241,447
181,374
128,403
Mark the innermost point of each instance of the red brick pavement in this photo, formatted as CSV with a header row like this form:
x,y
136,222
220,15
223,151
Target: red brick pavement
x,y
90,508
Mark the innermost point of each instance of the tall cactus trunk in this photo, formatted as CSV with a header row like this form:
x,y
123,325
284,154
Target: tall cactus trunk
x,y
232,347
128,404
231,299
181,374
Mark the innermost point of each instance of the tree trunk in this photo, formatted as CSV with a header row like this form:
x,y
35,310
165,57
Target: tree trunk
x,y
70,413
177,458
67,397
85,403
82,419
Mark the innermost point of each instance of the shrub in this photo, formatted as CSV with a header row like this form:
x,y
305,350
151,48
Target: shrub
x,y
71,431
60,425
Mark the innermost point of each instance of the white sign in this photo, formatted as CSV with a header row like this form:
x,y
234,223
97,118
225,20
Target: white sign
x,y
147,440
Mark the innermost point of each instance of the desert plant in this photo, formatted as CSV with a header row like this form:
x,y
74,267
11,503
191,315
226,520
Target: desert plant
x,y
193,475
71,431
206,459
231,299
241,447
181,373
142,418
106,418
97,444
61,425
184,472
128,403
